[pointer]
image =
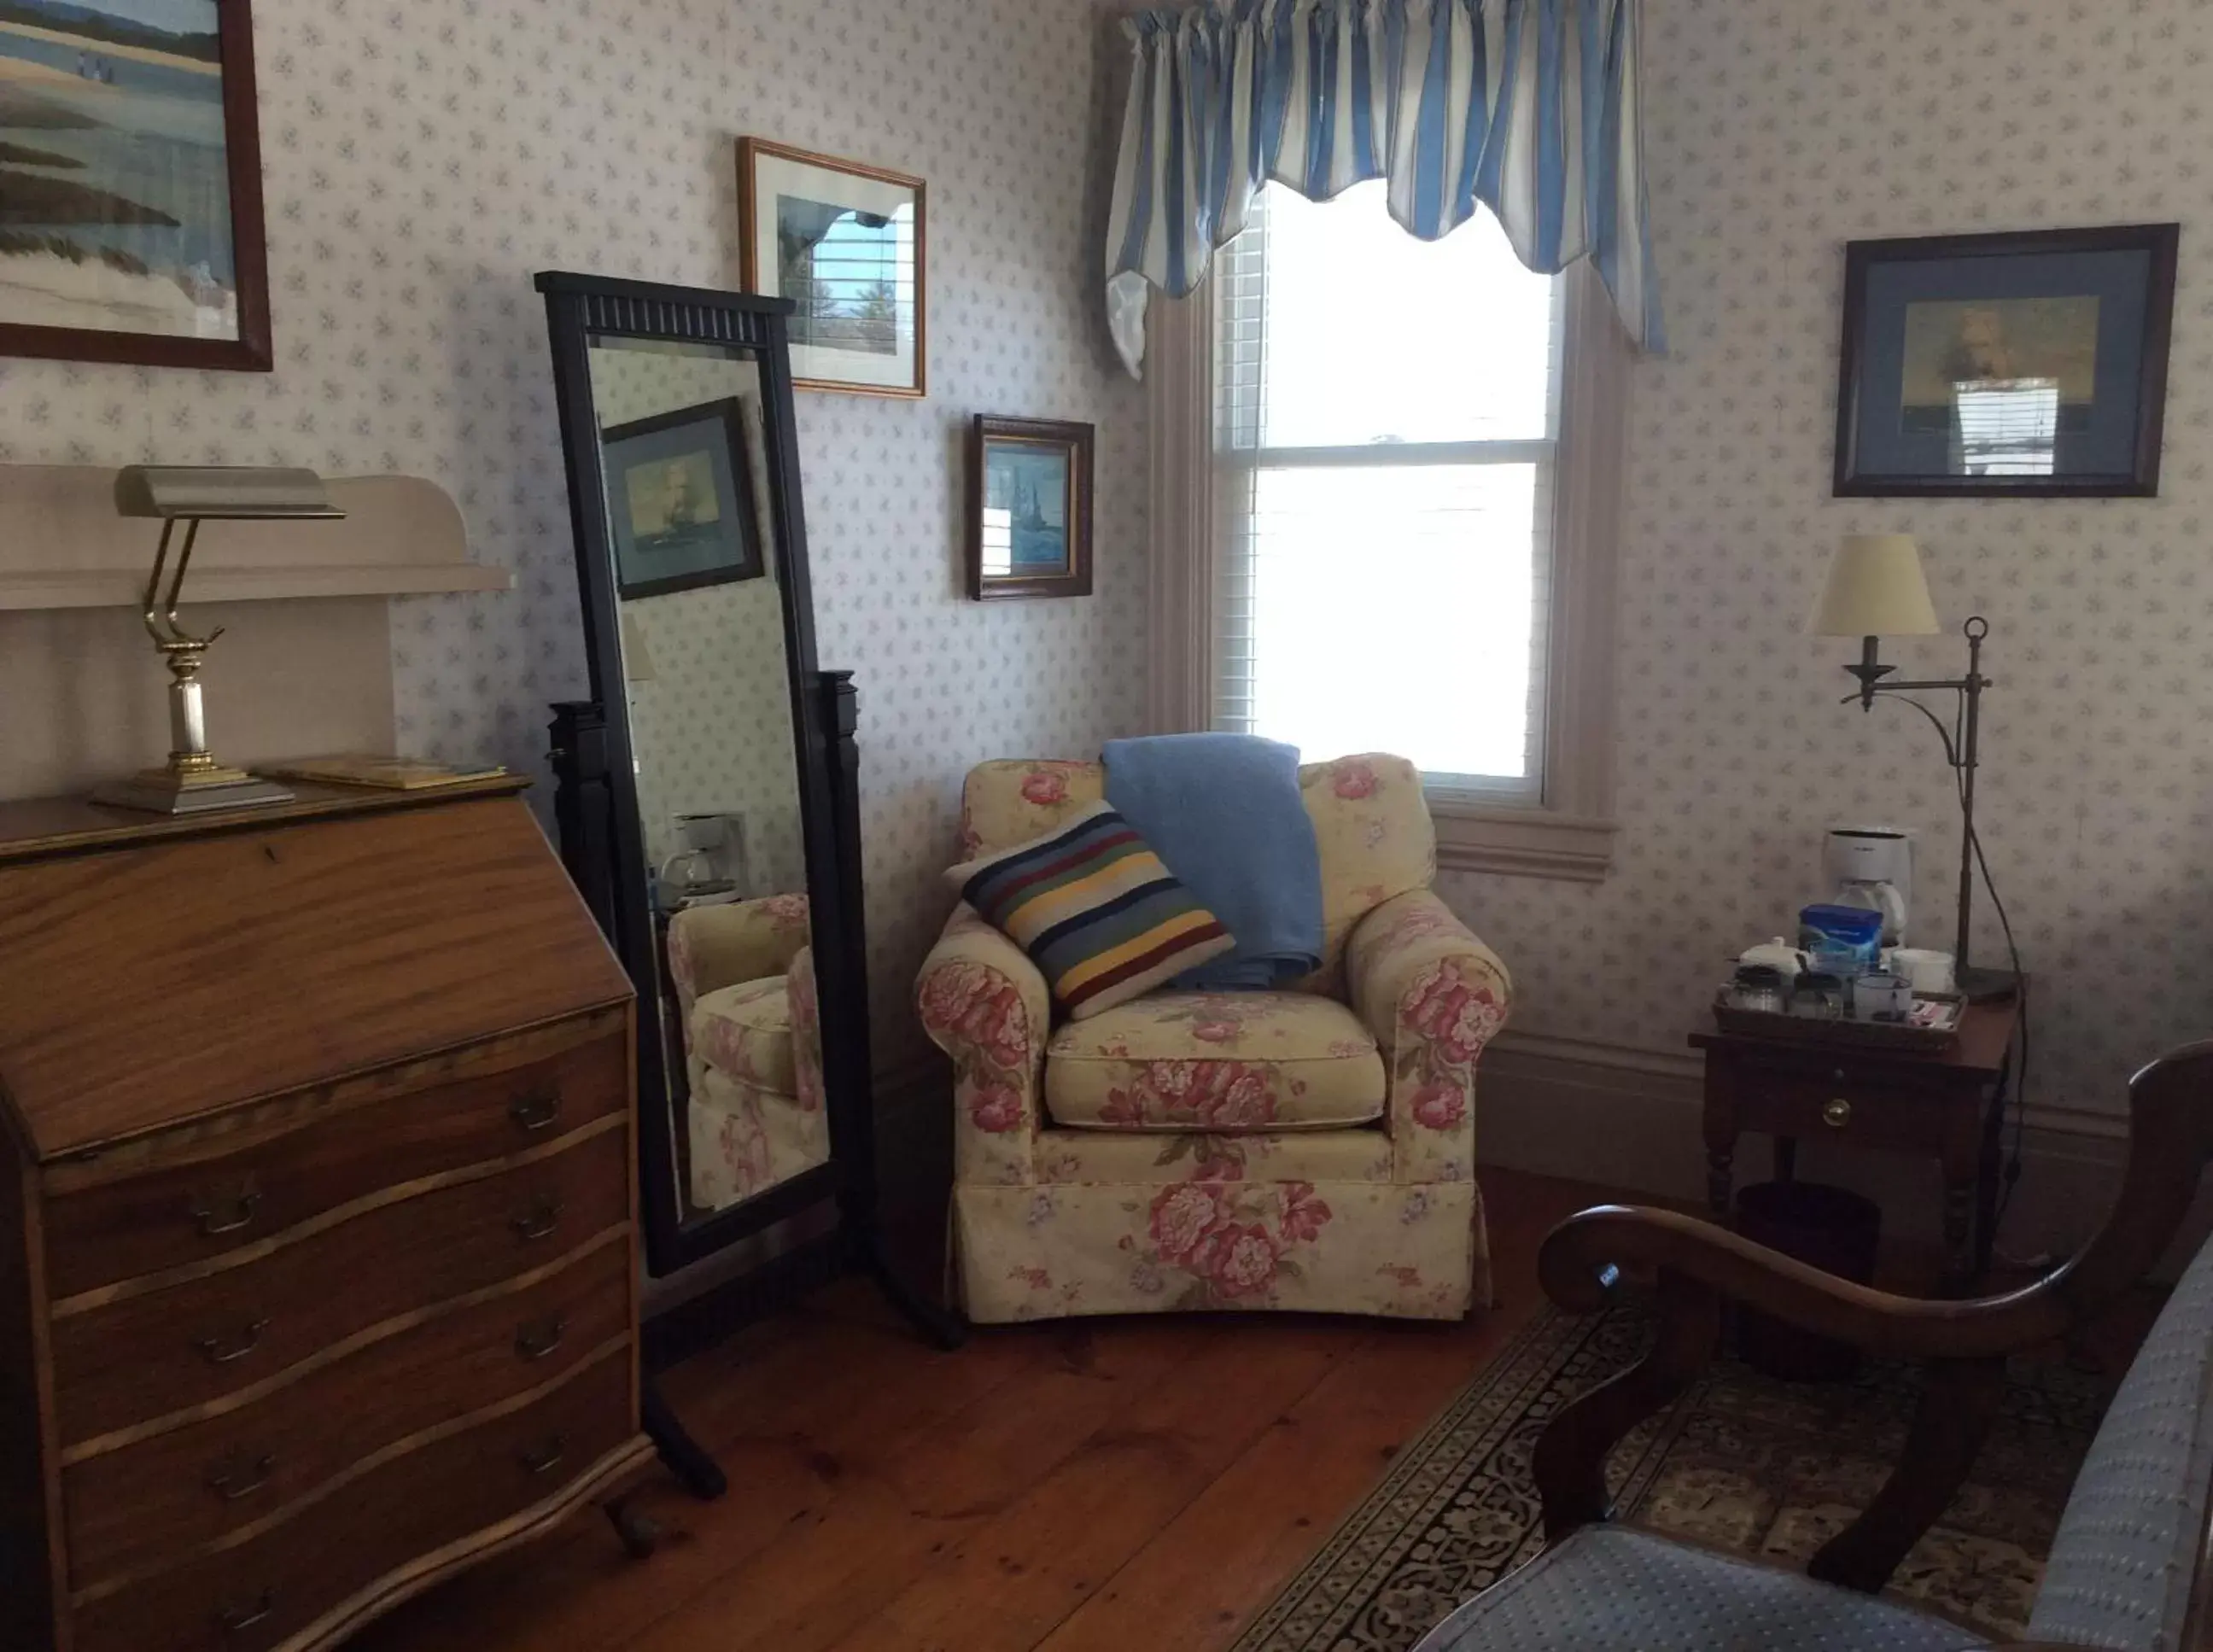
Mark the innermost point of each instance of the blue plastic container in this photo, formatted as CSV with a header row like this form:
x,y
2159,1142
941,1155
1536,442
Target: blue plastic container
x,y
1845,940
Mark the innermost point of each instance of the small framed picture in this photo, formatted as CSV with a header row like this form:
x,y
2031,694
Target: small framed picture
x,y
846,244
130,223
1029,507
679,495
2023,366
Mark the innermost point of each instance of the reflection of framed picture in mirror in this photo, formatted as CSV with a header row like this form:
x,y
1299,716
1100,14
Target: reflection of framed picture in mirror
x,y
2022,365
844,243
680,497
1029,507
131,184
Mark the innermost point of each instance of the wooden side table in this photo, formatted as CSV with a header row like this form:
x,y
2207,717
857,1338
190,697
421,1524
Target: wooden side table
x,y
1950,1107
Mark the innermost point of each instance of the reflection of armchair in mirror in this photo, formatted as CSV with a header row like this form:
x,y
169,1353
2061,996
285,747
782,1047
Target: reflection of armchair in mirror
x,y
706,799
743,978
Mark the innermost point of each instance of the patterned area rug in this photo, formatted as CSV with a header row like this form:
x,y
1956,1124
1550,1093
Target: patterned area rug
x,y
1741,1462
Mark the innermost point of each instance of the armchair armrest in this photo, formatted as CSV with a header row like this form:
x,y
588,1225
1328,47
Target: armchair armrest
x,y
987,1005
1963,1345
712,947
1432,995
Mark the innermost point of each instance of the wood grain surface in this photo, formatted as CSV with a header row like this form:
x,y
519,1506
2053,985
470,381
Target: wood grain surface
x,y
172,1492
161,1355
444,1488
248,964
187,1211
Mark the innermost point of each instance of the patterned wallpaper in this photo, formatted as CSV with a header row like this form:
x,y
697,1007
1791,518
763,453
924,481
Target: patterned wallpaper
x,y
710,724
422,161
1776,132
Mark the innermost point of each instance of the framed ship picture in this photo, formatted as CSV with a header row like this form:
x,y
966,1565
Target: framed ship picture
x,y
130,224
2024,365
680,495
846,244
1029,507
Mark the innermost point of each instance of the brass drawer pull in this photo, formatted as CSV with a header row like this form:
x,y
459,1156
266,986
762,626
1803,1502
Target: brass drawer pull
x,y
536,1110
539,1220
226,1216
234,1620
221,1351
239,1476
1838,1113
536,1341
544,1460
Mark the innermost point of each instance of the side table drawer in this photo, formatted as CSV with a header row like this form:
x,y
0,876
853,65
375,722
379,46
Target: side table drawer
x,y
1814,1106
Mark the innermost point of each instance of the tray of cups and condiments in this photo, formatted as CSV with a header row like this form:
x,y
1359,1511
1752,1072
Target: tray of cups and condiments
x,y
1834,990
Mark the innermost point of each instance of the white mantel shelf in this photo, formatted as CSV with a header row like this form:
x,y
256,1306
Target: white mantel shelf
x,y
62,545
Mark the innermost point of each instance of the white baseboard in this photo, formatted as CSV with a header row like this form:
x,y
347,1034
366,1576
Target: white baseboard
x,y
1629,1118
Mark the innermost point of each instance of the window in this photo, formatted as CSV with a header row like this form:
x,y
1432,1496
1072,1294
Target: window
x,y
1394,565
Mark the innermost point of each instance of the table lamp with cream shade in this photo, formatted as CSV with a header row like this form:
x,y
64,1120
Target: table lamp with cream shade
x,y
1875,589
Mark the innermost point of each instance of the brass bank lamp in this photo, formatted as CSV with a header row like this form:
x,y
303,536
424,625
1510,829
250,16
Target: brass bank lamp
x,y
192,780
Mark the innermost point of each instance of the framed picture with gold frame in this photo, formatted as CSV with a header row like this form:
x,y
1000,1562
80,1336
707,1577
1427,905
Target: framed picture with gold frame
x,y
1029,507
847,244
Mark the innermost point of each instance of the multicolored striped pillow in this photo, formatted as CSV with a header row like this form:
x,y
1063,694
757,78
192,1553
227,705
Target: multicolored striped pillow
x,y
1095,909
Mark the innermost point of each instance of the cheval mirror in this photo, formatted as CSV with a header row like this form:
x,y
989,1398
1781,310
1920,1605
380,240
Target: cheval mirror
x,y
705,793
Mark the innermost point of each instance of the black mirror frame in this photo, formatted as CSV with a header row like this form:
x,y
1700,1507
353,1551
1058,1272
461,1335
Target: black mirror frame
x,y
579,308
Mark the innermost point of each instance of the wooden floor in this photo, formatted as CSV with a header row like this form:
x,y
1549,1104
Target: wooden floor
x,y
1082,1486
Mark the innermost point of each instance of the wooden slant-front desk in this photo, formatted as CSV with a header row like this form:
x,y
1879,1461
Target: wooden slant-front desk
x,y
317,1280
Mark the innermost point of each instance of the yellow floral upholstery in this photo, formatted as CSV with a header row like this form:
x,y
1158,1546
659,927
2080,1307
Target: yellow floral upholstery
x,y
745,1030
744,976
1308,1149
711,947
1214,1061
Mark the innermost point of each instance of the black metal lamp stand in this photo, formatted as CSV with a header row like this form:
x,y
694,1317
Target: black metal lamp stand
x,y
1961,741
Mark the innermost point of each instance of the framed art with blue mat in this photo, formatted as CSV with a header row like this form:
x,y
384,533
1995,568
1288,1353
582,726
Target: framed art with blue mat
x,y
680,497
2025,365
1029,507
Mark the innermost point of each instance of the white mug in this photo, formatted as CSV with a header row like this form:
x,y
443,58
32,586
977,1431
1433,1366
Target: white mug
x,y
1929,971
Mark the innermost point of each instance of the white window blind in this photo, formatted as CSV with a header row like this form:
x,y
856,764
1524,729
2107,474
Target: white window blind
x,y
1386,431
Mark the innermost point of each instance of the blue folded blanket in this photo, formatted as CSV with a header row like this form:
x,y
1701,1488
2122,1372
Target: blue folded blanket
x,y
1224,814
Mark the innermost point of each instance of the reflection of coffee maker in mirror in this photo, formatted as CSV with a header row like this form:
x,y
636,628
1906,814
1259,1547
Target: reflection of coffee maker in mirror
x,y
1872,867
711,864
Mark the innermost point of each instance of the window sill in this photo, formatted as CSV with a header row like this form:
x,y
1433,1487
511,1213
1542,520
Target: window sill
x,y
1522,843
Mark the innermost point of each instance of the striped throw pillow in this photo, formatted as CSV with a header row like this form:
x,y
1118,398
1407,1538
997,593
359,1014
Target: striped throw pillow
x,y
1095,909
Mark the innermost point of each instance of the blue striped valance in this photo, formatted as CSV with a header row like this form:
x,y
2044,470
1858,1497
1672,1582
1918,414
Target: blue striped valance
x,y
1530,106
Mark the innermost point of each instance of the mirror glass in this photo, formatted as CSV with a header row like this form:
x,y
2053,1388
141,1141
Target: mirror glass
x,y
684,454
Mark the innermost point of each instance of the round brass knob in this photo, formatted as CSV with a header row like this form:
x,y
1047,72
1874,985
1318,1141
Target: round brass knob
x,y
1838,1113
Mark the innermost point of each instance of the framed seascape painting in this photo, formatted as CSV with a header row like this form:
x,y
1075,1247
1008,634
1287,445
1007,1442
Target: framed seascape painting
x,y
131,184
2022,366
1029,507
681,497
846,243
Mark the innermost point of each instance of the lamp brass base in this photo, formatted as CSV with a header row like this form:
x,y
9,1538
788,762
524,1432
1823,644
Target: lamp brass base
x,y
162,791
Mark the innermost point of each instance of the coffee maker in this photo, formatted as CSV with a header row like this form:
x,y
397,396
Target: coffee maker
x,y
1872,867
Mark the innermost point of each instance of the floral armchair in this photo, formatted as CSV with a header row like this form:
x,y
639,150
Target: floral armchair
x,y
744,977
1310,1149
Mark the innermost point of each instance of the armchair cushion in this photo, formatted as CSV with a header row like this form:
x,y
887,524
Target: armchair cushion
x,y
1610,1589
1224,1063
1095,908
745,1030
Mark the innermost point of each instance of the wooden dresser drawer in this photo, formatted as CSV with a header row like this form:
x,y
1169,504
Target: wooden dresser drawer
x,y
153,1349
163,1494
260,1588
211,1190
